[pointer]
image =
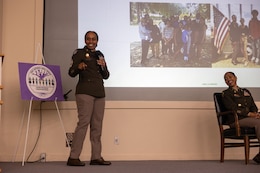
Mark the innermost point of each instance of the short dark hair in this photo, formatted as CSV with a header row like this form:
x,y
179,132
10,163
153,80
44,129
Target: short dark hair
x,y
91,32
254,12
230,72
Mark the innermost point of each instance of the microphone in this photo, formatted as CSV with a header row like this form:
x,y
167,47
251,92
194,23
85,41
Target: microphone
x,y
100,57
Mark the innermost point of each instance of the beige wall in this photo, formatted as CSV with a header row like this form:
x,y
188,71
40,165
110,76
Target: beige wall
x,y
146,130
1,17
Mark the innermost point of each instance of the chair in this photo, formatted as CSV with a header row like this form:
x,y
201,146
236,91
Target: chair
x,y
244,136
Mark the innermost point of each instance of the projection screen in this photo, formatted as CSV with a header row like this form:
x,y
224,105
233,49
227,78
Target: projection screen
x,y
153,74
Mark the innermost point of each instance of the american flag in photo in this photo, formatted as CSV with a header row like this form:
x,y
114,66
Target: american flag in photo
x,y
221,28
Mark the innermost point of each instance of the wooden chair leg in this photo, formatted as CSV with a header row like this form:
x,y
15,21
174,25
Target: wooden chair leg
x,y
222,148
246,140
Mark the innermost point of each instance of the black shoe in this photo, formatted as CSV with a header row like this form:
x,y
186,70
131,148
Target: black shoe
x,y
100,161
75,162
257,158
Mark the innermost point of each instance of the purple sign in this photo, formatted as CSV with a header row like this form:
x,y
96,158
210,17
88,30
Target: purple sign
x,y
40,82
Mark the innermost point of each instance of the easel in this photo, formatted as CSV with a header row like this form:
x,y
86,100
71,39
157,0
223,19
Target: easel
x,y
28,126
28,121
1,86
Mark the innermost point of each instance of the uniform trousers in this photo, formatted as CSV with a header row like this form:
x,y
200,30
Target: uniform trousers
x,y
251,122
90,112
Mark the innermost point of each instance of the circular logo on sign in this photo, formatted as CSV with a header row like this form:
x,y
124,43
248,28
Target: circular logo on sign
x,y
41,81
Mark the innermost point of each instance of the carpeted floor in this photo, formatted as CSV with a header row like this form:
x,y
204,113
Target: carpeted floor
x,y
230,166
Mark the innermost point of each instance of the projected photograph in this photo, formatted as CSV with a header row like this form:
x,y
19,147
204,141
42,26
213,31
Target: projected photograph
x,y
202,45
193,35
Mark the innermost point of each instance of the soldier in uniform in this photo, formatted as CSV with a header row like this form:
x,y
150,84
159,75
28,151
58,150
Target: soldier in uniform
x,y
91,67
240,100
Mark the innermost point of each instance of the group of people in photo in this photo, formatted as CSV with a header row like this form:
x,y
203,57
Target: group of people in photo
x,y
174,37
183,37
241,34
